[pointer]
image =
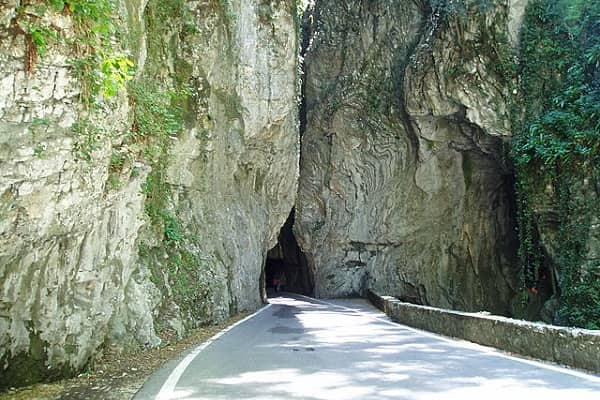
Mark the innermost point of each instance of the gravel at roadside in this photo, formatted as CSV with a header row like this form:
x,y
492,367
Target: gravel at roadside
x,y
118,376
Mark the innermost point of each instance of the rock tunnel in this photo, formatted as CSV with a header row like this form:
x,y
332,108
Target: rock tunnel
x,y
286,262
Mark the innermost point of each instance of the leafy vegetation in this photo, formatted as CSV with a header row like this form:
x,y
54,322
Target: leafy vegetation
x,y
89,138
557,151
40,36
158,120
160,99
102,69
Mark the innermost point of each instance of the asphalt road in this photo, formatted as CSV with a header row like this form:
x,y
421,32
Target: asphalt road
x,y
299,348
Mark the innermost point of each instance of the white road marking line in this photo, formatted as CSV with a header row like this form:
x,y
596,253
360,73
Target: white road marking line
x,y
469,345
168,388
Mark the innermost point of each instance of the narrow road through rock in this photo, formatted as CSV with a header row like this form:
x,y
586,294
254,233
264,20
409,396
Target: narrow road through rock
x,y
300,348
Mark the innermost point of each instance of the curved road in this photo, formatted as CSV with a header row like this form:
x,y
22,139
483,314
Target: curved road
x,y
300,348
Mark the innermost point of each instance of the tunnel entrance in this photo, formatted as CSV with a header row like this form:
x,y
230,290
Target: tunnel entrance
x,y
287,264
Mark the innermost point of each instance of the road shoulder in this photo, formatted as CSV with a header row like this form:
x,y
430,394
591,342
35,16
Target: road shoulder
x,y
119,376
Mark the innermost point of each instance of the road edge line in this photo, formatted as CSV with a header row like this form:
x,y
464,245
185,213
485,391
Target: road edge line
x,y
167,389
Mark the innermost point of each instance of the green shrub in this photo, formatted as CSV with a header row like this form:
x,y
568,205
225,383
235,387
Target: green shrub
x,y
557,144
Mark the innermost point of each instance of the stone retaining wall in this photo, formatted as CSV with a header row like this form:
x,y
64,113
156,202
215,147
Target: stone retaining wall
x,y
577,348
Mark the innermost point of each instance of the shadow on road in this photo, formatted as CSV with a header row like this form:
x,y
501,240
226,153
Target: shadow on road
x,y
307,350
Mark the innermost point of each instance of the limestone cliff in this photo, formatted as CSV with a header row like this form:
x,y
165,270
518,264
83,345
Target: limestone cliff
x,y
126,212
149,155
404,187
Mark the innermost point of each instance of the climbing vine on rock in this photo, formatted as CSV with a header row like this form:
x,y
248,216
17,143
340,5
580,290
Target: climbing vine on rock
x,y
161,99
556,150
86,31
101,69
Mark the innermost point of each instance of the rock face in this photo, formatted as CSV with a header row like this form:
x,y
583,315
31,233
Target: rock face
x,y
403,183
140,202
88,254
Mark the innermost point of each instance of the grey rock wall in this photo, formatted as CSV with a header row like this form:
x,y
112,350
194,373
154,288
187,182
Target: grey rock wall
x,y
234,171
71,278
403,184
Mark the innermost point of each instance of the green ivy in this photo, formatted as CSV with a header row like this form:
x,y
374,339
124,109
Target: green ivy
x,y
161,100
41,36
158,121
101,69
89,137
556,148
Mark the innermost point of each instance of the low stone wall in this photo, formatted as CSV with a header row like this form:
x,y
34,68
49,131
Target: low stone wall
x,y
577,348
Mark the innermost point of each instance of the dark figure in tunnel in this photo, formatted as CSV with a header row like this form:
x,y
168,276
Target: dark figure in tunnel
x,y
279,281
286,267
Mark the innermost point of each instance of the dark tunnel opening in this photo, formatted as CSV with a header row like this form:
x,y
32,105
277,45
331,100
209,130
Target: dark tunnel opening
x,y
286,267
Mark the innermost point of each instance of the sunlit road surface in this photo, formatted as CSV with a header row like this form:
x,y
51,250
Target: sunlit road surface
x,y
300,348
